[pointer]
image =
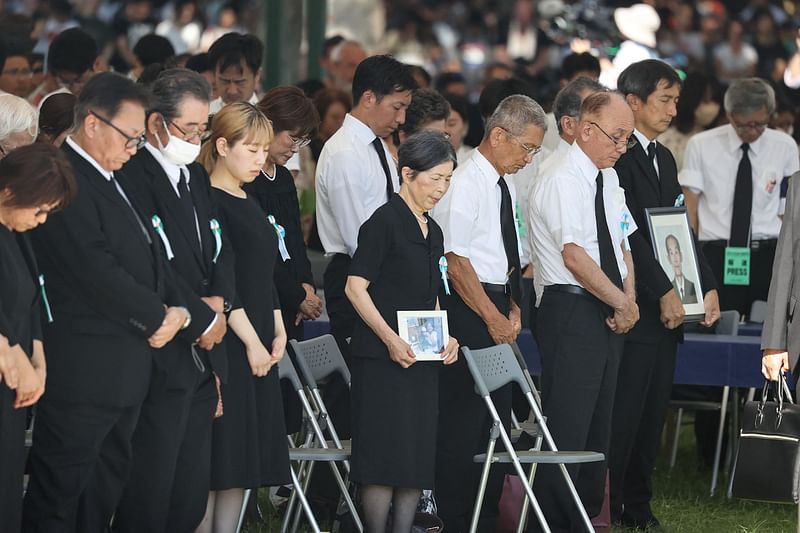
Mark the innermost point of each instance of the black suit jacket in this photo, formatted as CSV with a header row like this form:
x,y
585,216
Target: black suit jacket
x,y
108,287
194,267
644,189
689,294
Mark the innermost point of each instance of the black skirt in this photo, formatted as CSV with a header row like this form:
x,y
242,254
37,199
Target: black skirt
x,y
394,418
12,460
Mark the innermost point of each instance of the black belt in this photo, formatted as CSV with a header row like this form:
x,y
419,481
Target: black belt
x,y
496,288
571,289
755,244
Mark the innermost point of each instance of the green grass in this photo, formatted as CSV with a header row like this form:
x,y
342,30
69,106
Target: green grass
x,y
681,501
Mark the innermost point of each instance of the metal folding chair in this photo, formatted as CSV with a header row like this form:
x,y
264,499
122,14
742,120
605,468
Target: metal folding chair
x,y
491,369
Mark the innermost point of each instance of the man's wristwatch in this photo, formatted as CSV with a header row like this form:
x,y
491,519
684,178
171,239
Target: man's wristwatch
x,y
188,320
226,306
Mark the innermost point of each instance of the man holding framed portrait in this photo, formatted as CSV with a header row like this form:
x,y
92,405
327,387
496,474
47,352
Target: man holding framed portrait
x,y
671,286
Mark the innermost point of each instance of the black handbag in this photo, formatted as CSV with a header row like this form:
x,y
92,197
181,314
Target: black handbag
x,y
767,464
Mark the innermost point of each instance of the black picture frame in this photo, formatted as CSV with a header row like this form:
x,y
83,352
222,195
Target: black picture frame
x,y
671,234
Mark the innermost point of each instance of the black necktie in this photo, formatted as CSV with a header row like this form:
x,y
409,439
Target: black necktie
x,y
742,201
136,216
185,197
608,260
378,145
509,232
651,153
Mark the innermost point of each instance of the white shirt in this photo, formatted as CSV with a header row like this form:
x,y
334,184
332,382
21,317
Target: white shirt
x,y
523,181
551,136
548,162
709,170
630,52
734,64
642,139
469,215
351,185
84,154
562,211
218,104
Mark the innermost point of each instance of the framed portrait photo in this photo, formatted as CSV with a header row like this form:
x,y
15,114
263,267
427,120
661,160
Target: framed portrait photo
x,y
674,248
425,331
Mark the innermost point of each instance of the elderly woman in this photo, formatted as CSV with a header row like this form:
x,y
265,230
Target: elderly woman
x,y
19,123
34,180
394,397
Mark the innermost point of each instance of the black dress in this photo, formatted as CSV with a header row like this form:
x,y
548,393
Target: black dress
x,y
20,324
249,447
278,197
394,410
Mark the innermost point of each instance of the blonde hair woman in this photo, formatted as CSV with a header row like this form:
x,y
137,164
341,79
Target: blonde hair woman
x,y
248,446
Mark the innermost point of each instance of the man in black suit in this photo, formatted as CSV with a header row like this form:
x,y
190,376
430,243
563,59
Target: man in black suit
x,y
169,484
113,299
683,287
649,176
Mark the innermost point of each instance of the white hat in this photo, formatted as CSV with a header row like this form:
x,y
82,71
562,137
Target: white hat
x,y
639,23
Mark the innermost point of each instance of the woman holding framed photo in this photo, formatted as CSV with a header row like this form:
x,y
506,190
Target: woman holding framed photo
x,y
396,268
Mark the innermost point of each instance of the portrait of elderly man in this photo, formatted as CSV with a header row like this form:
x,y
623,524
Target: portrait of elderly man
x,y
680,283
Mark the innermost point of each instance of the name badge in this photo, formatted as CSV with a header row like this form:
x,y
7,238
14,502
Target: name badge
x,y
737,265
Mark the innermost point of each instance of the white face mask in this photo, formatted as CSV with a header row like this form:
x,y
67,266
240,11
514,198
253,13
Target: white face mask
x,y
177,151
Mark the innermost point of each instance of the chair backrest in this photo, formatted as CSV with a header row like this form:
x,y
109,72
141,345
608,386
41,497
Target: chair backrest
x,y
494,367
286,370
319,358
728,323
758,312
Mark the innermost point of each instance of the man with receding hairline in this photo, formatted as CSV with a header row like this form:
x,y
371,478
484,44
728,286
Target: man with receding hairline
x,y
589,300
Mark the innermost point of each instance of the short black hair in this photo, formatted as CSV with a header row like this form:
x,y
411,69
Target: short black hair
x,y
383,75
329,44
73,51
310,87
424,150
153,48
642,78
426,106
498,90
583,62
568,100
106,92
424,74
459,104
171,88
233,48
446,79
693,92
200,63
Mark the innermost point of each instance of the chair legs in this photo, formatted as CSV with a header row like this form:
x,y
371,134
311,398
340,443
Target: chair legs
x,y
674,455
720,434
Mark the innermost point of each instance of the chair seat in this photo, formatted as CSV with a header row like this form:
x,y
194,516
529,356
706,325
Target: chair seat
x,y
544,457
318,454
695,405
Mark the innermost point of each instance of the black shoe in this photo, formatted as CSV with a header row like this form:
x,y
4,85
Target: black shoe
x,y
645,523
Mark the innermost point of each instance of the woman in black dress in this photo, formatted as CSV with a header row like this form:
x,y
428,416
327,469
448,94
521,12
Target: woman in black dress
x,y
249,447
394,398
34,180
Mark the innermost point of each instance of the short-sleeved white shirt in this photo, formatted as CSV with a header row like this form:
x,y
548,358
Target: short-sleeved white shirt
x,y
709,170
562,212
469,215
350,186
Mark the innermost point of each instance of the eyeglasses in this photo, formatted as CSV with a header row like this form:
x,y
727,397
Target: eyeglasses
x,y
131,142
757,126
628,143
201,134
530,151
299,143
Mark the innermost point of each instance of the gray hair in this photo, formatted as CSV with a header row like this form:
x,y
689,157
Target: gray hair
x,y
173,86
336,53
568,100
17,115
514,114
749,95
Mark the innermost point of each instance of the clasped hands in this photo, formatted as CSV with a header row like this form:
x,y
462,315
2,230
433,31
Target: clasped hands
x,y
26,376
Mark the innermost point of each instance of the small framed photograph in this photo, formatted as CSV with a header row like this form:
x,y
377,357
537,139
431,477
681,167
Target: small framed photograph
x,y
425,331
673,244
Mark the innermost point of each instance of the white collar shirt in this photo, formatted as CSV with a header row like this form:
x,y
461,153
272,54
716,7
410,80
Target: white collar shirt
x,y
562,209
642,139
709,169
84,154
523,181
350,185
469,215
218,104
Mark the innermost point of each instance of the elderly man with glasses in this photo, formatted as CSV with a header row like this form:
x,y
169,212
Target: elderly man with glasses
x,y
588,302
482,247
735,179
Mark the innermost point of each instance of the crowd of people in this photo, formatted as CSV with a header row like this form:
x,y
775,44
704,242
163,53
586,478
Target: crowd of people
x,y
156,230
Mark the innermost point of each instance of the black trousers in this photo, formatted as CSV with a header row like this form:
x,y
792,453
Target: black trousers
x,y
580,364
169,483
643,391
12,459
464,422
79,464
741,297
